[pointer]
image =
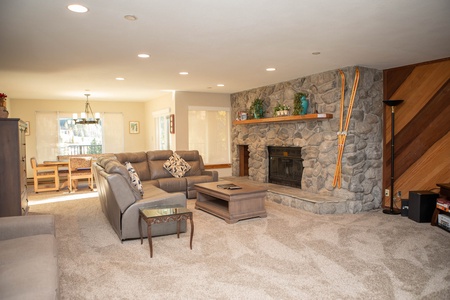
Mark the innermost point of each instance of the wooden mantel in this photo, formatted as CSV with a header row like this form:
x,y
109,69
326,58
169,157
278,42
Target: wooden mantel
x,y
296,118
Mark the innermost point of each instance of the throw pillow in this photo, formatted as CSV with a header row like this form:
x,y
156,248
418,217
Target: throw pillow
x,y
176,166
134,178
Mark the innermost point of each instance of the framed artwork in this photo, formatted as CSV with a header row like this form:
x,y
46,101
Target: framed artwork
x,y
134,127
27,131
172,123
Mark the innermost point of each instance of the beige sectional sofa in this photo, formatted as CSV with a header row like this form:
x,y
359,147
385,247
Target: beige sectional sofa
x,y
28,258
120,199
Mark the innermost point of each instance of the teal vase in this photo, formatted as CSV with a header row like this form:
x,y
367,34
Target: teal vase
x,y
305,105
259,112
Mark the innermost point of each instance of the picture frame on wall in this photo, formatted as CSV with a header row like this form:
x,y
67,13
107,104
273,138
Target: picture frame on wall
x,y
27,131
134,127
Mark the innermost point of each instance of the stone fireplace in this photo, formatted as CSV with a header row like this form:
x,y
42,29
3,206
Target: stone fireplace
x,y
361,187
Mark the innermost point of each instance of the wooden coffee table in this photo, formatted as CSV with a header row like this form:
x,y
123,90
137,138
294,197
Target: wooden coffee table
x,y
231,205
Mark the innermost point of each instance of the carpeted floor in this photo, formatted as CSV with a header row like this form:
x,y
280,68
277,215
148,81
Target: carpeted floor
x,y
291,254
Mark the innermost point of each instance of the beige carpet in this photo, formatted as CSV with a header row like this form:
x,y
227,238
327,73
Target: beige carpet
x,y
291,254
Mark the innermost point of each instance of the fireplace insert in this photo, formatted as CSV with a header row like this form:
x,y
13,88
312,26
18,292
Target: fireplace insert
x,y
285,166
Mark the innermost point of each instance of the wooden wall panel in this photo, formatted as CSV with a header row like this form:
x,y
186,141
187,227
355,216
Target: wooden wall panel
x,y
425,173
422,126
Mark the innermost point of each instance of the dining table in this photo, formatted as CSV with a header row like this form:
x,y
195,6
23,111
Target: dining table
x,y
63,166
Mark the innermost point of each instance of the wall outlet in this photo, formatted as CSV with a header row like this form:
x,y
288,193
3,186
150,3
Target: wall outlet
x,y
386,192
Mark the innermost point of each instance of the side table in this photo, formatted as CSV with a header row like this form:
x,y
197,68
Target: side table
x,y
164,215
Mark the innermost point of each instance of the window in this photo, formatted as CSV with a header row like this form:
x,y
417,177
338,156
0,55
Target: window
x,y
162,128
56,134
209,133
78,138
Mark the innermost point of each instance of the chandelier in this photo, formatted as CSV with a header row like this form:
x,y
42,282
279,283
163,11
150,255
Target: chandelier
x,y
87,117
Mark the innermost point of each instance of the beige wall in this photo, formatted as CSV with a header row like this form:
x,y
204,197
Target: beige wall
x,y
165,102
132,111
185,99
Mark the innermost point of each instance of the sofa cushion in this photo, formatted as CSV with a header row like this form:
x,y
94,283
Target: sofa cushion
x,y
177,166
173,185
193,158
134,178
114,166
103,160
139,161
34,273
156,160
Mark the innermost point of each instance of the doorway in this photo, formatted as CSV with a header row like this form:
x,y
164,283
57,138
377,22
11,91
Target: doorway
x,y
243,160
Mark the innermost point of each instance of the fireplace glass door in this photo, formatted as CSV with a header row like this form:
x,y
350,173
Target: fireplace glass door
x,y
285,166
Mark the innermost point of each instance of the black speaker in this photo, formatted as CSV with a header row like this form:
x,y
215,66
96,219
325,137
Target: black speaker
x,y
405,207
421,205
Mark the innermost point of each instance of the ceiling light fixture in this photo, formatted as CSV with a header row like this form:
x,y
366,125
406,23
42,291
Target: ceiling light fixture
x,y
221,84
143,55
183,73
120,78
87,117
270,69
316,53
130,18
77,8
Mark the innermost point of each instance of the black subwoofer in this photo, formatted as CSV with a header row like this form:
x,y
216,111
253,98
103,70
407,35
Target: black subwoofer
x,y
421,205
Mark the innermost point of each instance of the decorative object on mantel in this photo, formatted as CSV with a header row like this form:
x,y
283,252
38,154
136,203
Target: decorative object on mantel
x,y
342,133
281,110
257,108
305,105
87,117
3,112
242,115
300,104
391,210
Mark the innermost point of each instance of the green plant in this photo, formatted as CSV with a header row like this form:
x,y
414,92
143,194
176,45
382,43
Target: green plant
x,y
257,108
277,108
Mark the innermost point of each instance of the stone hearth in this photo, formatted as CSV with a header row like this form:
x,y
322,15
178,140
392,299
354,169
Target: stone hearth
x,y
362,159
297,198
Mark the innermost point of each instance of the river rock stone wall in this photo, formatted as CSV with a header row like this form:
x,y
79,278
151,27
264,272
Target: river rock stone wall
x,y
362,157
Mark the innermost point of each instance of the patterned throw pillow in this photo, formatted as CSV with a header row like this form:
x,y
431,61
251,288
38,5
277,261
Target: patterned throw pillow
x,y
134,178
176,166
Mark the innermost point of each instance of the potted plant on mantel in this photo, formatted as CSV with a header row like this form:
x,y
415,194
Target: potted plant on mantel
x,y
281,110
3,112
257,108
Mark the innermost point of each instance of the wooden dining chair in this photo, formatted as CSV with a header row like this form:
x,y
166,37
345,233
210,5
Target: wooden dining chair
x,y
49,173
80,168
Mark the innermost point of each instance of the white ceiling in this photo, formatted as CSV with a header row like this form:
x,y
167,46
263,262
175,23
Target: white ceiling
x,y
48,52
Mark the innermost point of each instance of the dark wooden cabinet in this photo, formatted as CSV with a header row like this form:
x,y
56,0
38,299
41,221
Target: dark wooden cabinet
x,y
13,170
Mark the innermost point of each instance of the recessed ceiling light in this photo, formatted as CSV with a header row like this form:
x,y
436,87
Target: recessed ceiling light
x,y
270,69
221,84
120,78
130,18
77,8
316,53
183,73
143,55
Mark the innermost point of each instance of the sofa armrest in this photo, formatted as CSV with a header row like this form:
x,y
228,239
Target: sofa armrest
x,y
21,226
213,174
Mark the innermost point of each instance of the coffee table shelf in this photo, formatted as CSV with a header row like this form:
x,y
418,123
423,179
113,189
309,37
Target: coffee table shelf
x,y
231,205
